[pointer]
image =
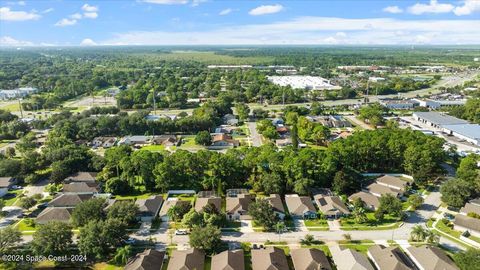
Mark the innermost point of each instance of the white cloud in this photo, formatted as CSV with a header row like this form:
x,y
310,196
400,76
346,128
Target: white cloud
x,y
66,22
393,9
166,2
89,8
198,2
266,9
432,7
76,16
469,7
90,15
88,42
9,41
225,12
317,30
6,14
48,10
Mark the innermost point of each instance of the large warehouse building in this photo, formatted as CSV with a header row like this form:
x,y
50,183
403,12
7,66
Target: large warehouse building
x,y
459,128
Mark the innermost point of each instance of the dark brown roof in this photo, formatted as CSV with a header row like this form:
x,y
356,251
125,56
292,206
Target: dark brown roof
x,y
309,258
69,200
149,259
151,205
192,259
271,258
54,213
276,202
229,260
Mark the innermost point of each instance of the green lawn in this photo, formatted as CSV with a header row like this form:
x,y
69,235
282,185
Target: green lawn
x,y
106,266
362,248
316,223
188,142
22,226
11,201
389,222
154,147
444,228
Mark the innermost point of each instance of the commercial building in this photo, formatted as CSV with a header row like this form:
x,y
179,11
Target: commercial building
x,y
467,132
303,82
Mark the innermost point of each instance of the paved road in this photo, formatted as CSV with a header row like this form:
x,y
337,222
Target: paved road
x,y
256,138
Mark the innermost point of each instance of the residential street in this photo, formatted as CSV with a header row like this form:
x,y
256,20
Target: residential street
x,y
426,211
256,138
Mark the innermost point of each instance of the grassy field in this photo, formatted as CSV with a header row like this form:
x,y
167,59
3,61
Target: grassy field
x,y
23,226
209,57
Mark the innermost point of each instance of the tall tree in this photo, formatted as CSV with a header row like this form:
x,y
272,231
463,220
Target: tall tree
x,y
53,238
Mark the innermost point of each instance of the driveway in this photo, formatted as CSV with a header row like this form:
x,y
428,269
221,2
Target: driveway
x,y
246,226
256,138
11,217
37,188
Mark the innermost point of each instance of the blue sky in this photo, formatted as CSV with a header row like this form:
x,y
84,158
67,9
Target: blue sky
x,y
169,22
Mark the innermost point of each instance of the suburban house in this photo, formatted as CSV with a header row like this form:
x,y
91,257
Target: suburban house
x,y
149,259
370,201
82,187
5,184
379,190
389,258
465,223
230,119
300,206
471,207
392,182
234,192
135,140
69,200
167,140
275,201
269,258
167,204
349,259
150,207
191,259
62,214
331,206
237,207
229,260
430,258
81,177
224,140
200,203
309,258
105,142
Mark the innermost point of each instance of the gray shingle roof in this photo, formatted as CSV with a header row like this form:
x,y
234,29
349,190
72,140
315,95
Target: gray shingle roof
x,y
149,259
431,258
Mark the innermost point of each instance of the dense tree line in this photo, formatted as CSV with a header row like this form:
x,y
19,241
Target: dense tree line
x,y
266,169
470,111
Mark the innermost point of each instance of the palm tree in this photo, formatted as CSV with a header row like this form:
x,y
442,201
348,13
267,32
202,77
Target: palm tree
x,y
418,233
172,213
432,237
280,228
122,255
359,215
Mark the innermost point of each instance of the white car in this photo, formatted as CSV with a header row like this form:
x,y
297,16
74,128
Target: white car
x,y
181,232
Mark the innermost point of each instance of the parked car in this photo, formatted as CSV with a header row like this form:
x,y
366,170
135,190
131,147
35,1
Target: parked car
x,y
448,216
130,241
15,187
181,232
